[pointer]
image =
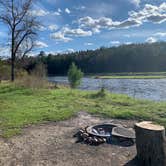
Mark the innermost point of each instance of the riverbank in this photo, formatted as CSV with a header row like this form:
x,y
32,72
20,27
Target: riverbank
x,y
21,107
129,77
143,75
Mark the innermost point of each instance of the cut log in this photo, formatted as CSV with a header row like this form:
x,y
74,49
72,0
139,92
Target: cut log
x,y
150,144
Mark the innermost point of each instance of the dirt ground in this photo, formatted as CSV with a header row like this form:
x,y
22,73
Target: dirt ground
x,y
52,144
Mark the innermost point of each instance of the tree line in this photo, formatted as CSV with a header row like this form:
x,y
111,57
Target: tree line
x,y
125,58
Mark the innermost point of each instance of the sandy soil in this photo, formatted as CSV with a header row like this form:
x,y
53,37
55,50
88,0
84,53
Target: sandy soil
x,y
52,144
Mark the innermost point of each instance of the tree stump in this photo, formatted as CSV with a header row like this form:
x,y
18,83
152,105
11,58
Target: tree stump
x,y
150,144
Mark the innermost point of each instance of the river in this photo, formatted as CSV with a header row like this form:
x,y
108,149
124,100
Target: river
x,y
151,89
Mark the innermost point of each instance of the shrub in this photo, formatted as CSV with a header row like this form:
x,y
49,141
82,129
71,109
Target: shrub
x,y
101,92
36,79
74,76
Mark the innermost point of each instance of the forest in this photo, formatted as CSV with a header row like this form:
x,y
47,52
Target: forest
x,y
125,58
143,57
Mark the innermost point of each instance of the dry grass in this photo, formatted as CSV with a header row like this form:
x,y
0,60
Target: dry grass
x,y
34,82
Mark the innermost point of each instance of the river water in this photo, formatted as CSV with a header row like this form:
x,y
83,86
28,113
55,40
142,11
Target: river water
x,y
151,89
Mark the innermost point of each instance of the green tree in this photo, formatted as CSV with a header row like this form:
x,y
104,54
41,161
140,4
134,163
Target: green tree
x,y
74,76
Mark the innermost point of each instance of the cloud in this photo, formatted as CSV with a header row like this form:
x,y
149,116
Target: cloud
x,y
41,28
76,32
59,36
96,24
150,13
157,18
39,13
70,50
128,43
106,23
128,23
135,2
56,13
59,10
67,11
66,33
88,44
151,40
53,27
114,42
40,44
160,34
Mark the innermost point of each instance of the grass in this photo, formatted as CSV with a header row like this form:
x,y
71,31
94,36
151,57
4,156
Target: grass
x,y
20,107
132,77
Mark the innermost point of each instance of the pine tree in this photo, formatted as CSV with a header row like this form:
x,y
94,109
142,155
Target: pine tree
x,y
74,76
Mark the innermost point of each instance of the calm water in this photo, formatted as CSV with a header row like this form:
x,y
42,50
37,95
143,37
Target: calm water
x,y
151,89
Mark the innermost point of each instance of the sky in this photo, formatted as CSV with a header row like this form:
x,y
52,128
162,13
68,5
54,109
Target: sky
x,y
73,25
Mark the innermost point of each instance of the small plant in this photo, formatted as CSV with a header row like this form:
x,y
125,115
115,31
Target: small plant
x,y
101,92
74,76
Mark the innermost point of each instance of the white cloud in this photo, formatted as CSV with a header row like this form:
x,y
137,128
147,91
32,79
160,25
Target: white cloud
x,y
67,11
41,28
53,27
150,13
107,23
56,13
40,44
160,34
58,36
39,13
75,32
135,2
128,23
88,44
151,40
114,42
128,43
70,50
66,33
59,10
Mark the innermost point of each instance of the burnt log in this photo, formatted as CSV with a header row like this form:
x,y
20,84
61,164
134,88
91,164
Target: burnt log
x,y
150,144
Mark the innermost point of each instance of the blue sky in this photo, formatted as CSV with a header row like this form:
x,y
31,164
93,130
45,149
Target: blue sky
x,y
72,25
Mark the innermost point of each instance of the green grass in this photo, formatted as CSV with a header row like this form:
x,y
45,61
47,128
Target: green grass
x,y
132,77
20,107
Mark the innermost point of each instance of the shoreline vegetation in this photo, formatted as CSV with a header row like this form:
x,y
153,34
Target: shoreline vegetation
x,y
143,75
21,106
129,77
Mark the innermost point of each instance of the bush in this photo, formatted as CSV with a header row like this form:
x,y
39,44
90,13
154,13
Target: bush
x,y
4,72
39,71
101,92
36,79
74,76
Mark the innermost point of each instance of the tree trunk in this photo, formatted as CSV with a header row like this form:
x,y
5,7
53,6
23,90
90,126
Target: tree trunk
x,y
12,58
12,70
150,144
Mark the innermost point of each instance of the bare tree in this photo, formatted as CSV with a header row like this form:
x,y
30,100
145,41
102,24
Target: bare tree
x,y
15,14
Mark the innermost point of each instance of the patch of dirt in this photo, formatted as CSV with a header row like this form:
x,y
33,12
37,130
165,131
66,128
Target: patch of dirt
x,y
53,144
